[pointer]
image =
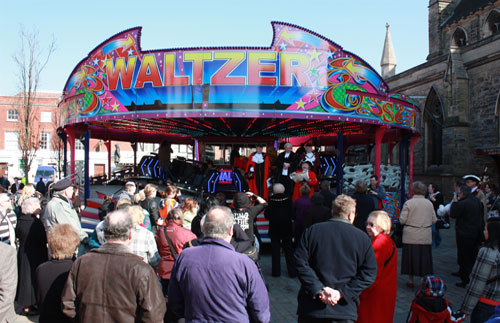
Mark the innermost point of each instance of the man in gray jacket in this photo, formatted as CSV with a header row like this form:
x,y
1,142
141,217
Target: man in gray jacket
x,y
59,210
8,283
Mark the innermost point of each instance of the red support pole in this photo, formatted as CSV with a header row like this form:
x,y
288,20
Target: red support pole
x,y
108,147
391,147
71,141
379,135
413,141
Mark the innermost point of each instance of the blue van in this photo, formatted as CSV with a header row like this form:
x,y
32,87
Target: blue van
x,y
44,172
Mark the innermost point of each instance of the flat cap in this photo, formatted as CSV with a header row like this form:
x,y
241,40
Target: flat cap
x,y
62,184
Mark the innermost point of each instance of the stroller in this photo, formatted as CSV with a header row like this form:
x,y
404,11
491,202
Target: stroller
x,y
430,306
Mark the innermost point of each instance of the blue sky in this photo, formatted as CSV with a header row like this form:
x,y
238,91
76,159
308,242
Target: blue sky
x,y
357,25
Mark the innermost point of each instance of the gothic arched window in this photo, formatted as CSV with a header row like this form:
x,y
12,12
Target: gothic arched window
x,y
433,117
459,37
492,25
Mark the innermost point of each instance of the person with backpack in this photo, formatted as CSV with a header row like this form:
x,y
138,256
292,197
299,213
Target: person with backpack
x,y
244,214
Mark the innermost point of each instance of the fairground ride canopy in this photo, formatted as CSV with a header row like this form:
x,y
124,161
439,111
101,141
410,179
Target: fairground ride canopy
x,y
302,85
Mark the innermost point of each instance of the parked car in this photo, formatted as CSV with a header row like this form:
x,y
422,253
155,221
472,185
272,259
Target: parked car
x,y
44,172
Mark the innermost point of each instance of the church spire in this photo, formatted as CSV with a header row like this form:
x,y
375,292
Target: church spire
x,y
388,62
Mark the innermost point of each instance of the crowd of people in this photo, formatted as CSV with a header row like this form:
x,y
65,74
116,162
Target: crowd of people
x,y
157,256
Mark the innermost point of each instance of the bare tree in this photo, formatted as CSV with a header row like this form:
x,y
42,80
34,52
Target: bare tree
x,y
57,145
31,60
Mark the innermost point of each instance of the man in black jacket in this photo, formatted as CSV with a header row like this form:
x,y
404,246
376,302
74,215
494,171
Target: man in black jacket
x,y
327,194
468,211
279,213
364,204
286,165
335,263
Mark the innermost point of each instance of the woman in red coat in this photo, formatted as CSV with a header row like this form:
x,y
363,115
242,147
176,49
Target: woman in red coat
x,y
377,302
309,178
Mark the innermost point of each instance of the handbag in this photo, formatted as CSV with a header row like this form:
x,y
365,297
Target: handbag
x,y
253,253
172,249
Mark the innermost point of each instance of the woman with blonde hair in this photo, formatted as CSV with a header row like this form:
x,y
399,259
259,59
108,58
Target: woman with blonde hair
x,y
150,204
140,197
189,209
143,241
417,218
122,203
27,192
372,307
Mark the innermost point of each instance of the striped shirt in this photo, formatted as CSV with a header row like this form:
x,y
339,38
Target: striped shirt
x,y
487,266
4,224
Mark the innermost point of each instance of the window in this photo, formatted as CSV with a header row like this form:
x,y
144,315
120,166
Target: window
x,y
46,117
433,116
459,37
492,23
45,140
12,115
11,140
78,144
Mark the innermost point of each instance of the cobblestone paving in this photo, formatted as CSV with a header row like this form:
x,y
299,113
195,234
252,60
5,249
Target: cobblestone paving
x,y
283,290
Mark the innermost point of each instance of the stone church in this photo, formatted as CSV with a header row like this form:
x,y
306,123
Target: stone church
x,y
457,90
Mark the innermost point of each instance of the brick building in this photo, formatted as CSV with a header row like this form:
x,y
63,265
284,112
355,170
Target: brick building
x,y
10,155
458,91
47,154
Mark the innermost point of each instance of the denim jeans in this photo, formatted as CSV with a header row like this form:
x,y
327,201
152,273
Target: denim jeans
x,y
482,313
436,236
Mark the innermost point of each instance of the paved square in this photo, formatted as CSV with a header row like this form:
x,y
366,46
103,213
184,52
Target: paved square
x,y
283,290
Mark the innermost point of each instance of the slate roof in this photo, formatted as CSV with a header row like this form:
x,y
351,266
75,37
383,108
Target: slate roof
x,y
465,8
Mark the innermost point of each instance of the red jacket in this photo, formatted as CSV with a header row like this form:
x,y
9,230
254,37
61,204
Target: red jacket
x,y
312,183
241,162
419,314
372,307
178,237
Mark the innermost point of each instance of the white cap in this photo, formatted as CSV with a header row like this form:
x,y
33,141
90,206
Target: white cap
x,y
474,177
